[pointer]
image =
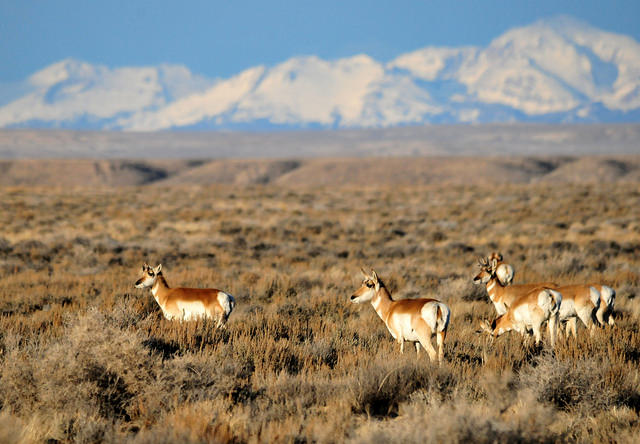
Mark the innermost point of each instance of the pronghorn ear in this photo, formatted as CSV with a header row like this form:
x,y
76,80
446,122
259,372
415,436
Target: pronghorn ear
x,y
158,269
374,276
494,264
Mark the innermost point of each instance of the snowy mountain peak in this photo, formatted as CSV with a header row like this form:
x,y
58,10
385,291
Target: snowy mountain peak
x,y
556,70
61,71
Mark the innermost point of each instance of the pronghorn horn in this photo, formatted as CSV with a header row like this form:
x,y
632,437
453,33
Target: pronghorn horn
x,y
364,272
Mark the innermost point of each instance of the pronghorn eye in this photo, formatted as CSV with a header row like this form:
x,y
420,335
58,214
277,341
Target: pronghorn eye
x,y
151,273
369,284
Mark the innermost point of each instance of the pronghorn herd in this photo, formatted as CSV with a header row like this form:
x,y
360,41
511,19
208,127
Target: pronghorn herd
x,y
524,308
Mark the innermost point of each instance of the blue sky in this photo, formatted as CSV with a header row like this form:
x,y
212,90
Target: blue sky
x,y
220,38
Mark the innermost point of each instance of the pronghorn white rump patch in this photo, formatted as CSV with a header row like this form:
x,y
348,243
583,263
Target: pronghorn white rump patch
x,y
608,295
549,300
505,274
594,295
429,313
227,302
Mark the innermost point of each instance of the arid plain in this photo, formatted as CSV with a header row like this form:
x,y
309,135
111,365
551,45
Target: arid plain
x,y
86,357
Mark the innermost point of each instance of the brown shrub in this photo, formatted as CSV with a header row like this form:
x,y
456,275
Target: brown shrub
x,y
86,357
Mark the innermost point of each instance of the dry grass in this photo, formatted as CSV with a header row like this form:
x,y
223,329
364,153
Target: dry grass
x,y
85,357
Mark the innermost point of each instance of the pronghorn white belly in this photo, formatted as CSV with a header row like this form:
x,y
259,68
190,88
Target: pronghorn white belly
x,y
523,318
402,325
191,310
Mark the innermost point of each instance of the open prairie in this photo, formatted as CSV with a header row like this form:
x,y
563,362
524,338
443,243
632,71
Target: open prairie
x,y
86,357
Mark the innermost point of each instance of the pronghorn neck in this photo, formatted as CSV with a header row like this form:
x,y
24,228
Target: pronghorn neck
x,y
160,286
382,302
494,289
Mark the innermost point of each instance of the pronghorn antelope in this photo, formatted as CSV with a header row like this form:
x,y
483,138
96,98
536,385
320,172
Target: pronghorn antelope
x,y
502,296
415,320
186,303
583,302
528,313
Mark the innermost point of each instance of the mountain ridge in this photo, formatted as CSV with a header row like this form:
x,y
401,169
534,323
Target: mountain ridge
x,y
321,172
553,70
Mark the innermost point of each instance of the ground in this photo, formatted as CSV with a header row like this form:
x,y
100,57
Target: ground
x,y
86,357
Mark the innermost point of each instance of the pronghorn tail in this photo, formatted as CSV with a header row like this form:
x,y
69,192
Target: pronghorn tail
x,y
442,317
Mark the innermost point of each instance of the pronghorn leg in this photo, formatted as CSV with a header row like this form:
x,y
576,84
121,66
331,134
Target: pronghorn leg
x,y
600,314
586,316
424,335
536,333
401,341
426,343
552,325
572,328
417,349
440,340
608,316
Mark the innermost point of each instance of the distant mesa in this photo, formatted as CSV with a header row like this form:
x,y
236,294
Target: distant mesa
x,y
554,70
320,172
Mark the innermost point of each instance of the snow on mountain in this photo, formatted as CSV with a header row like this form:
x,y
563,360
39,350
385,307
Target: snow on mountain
x,y
558,69
433,63
71,91
309,89
194,108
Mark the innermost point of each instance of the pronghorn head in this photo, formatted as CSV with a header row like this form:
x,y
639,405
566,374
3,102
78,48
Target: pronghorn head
x,y
487,270
149,276
486,327
370,285
494,329
491,267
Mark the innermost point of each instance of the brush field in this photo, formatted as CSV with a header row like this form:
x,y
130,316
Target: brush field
x,y
86,357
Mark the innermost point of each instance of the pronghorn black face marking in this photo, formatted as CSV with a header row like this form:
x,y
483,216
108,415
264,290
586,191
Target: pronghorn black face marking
x,y
149,276
368,289
488,267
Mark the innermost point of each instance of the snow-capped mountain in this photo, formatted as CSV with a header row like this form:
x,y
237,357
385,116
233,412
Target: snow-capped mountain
x,y
555,70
